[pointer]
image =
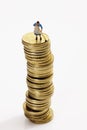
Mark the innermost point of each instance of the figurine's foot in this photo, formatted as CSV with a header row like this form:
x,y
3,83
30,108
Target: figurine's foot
x,y
36,38
40,38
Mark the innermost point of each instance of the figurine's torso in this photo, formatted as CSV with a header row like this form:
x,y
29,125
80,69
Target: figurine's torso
x,y
37,30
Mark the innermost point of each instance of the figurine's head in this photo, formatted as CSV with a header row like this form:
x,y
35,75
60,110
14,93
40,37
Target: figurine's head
x,y
38,23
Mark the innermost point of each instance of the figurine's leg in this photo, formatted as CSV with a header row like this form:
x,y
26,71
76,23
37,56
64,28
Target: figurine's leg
x,y
36,37
40,37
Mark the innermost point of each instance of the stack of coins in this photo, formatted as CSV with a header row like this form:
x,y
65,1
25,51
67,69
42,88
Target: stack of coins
x,y
39,78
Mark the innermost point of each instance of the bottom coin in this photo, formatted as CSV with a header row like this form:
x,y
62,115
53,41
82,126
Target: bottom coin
x,y
38,117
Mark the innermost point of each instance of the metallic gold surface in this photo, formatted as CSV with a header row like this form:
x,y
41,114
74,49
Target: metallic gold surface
x,y
29,38
39,78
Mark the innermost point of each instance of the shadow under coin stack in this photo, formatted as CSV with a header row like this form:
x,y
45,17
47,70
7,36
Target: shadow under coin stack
x,y
39,78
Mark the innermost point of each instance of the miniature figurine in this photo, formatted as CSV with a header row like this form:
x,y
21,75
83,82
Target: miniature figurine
x,y
38,30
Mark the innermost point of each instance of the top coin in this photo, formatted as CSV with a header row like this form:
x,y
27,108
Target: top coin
x,y
29,38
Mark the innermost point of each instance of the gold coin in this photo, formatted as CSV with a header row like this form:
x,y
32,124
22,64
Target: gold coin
x,y
36,80
29,38
38,85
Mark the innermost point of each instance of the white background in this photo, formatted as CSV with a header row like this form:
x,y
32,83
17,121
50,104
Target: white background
x,y
65,21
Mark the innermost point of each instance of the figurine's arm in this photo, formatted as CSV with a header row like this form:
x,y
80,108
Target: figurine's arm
x,y
34,24
41,26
